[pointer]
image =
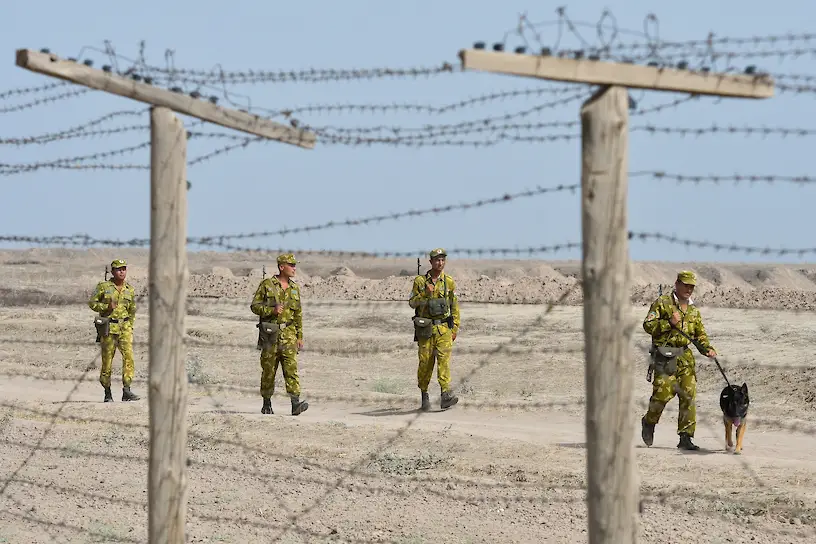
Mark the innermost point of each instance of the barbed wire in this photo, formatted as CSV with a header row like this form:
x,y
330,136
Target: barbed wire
x,y
220,79
201,77
424,108
736,179
473,293
430,138
4,95
70,162
217,241
733,248
82,130
436,210
46,100
607,33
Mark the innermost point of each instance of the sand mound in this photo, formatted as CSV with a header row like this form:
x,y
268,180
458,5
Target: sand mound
x,y
222,271
343,271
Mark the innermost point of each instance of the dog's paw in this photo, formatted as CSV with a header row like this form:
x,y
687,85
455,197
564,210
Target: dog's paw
x,y
737,452
729,447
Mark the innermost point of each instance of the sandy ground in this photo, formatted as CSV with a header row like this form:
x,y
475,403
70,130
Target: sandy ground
x,y
362,465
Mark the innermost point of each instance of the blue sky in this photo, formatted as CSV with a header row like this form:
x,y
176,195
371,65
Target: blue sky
x,y
268,186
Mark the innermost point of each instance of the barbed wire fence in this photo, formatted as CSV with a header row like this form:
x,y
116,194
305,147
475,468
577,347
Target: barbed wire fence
x,y
371,473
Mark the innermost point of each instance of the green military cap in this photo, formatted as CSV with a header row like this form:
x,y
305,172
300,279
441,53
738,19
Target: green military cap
x,y
118,263
287,258
438,252
687,277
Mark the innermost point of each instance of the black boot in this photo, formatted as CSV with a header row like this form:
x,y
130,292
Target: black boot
x,y
686,443
299,406
267,406
426,401
127,394
647,432
108,395
448,400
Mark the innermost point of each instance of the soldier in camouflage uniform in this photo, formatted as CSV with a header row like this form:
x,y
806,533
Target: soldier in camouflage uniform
x,y
433,296
277,301
666,315
116,299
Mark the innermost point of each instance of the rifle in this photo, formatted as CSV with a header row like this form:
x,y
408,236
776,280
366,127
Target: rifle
x,y
650,371
102,324
263,271
418,269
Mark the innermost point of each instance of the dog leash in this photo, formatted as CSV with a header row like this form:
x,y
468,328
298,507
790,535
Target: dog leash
x,y
698,347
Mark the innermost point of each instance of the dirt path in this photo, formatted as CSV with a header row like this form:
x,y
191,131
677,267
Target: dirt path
x,y
550,428
543,450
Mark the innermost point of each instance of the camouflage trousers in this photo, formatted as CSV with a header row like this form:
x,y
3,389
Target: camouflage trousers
x,y
436,349
286,358
109,344
683,384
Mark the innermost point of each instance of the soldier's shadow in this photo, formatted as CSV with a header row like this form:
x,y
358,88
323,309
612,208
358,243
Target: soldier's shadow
x,y
384,412
701,451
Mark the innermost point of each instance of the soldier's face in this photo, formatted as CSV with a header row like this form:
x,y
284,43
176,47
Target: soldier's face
x,y
288,270
120,273
438,263
684,291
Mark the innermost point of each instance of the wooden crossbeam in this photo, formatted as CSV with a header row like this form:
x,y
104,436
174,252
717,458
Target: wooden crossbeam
x,y
599,72
51,65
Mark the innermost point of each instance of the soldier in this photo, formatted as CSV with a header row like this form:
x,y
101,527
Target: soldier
x,y
115,302
436,324
668,315
277,303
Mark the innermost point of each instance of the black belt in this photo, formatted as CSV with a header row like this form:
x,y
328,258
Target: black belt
x,y
684,346
281,326
117,321
439,321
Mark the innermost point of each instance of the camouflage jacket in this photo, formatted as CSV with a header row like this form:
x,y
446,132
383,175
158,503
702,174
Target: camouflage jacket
x,y
271,292
444,287
125,304
691,322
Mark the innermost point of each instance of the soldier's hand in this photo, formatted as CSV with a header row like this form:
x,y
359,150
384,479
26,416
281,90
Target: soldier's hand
x,y
453,337
430,288
277,309
112,304
711,354
300,344
675,319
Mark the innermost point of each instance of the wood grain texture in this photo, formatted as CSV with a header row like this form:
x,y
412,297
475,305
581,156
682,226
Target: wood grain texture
x,y
612,498
51,65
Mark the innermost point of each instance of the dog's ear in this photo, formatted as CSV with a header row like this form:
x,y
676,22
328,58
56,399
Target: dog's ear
x,y
744,388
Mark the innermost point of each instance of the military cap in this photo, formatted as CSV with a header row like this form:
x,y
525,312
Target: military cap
x,y
438,252
287,258
687,277
118,263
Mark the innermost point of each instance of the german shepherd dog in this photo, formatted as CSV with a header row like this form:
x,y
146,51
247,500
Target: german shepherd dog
x,y
734,405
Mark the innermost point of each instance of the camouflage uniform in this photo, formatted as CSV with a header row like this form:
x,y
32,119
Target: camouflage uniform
x,y
683,382
122,319
284,350
438,348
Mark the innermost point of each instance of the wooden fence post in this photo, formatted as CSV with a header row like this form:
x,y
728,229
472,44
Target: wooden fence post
x,y
167,395
612,498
